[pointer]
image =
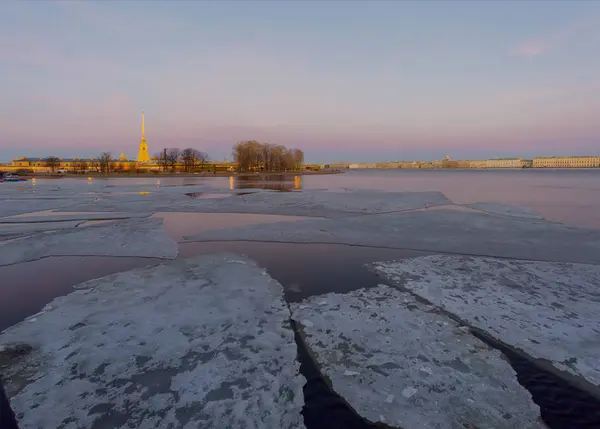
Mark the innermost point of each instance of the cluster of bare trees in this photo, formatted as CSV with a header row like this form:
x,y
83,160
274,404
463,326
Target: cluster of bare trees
x,y
255,156
52,162
191,159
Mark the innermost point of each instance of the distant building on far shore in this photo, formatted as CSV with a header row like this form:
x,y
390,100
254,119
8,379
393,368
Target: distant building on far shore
x,y
566,162
507,163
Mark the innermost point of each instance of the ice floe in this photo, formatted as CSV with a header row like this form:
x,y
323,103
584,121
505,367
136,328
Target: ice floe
x,y
130,237
549,311
317,203
10,207
399,362
193,343
54,218
436,231
119,203
506,210
32,228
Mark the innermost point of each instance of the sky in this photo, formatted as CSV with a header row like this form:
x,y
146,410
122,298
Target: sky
x,y
354,81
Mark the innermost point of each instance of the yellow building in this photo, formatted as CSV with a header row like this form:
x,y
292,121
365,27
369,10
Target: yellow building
x,y
566,162
478,164
70,165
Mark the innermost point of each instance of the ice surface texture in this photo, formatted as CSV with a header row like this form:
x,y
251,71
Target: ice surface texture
x,y
193,343
131,237
400,362
548,310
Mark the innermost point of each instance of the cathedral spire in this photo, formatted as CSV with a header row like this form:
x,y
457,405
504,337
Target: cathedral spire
x,y
143,155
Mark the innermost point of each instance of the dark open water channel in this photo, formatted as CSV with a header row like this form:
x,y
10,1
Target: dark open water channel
x,y
570,196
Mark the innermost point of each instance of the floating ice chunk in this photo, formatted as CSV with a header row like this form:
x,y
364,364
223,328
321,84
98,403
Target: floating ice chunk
x,y
391,344
135,237
437,231
307,323
506,210
548,310
21,206
191,343
15,230
318,203
55,218
351,373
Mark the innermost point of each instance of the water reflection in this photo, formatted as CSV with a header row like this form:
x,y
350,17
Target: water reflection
x,y
280,183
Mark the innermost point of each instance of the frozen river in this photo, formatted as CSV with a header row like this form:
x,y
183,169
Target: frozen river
x,y
568,195
336,249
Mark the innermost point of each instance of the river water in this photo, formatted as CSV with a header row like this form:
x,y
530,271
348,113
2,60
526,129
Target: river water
x,y
568,196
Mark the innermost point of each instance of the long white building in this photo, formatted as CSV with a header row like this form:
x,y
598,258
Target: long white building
x,y
566,162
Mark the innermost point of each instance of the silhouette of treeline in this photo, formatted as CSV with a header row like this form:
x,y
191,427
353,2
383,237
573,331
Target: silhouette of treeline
x,y
190,159
252,155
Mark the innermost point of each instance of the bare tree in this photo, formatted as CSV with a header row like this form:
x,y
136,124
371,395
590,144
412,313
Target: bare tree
x,y
298,158
104,162
52,162
172,157
161,159
254,156
193,158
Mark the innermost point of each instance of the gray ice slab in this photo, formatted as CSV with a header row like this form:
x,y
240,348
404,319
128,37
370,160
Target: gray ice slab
x,y
150,203
130,237
319,203
548,310
32,228
15,207
436,231
70,217
399,362
506,210
200,343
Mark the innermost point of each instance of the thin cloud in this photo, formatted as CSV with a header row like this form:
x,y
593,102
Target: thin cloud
x,y
555,40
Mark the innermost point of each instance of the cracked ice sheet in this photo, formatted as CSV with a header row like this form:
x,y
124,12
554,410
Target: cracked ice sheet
x,y
55,218
31,228
434,231
123,203
319,203
20,206
506,210
398,361
548,310
131,237
193,343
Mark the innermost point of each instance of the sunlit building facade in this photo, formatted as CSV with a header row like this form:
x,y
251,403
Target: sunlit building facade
x,y
566,162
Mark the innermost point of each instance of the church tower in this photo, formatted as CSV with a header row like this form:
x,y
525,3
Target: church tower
x,y
143,155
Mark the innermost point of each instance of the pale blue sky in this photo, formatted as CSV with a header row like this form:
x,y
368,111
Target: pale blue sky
x,y
356,81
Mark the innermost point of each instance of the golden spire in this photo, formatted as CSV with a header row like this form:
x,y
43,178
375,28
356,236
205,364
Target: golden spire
x,y
143,155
